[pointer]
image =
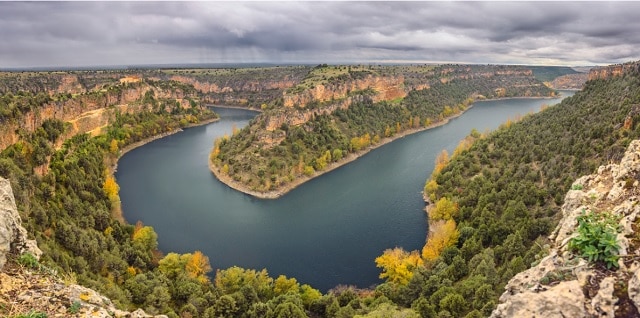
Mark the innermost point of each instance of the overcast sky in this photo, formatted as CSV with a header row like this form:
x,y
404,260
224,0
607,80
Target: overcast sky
x,y
57,34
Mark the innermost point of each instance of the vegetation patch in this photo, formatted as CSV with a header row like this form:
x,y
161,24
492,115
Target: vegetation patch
x,y
596,239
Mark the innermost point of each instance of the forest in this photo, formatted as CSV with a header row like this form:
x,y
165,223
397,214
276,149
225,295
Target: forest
x,y
505,190
493,202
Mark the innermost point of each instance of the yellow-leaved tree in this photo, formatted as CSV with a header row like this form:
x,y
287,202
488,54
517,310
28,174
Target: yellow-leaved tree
x,y
441,161
283,285
441,235
113,146
398,265
198,266
430,189
444,209
111,188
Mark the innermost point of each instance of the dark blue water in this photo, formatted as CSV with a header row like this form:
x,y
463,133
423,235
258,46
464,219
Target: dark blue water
x,y
324,233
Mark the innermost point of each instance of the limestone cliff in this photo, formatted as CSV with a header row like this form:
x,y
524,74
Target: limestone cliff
x,y
385,88
613,70
565,285
33,288
90,111
333,96
251,85
13,237
569,81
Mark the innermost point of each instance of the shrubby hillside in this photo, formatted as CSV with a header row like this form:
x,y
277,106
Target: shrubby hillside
x,y
505,191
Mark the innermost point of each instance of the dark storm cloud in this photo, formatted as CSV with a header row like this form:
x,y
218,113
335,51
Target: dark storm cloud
x,y
103,33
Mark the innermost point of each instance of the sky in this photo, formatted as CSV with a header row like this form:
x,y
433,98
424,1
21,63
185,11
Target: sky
x,y
82,34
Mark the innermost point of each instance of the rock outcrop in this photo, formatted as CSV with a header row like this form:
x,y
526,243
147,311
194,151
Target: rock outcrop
x,y
613,70
332,97
565,285
569,81
385,88
13,237
91,110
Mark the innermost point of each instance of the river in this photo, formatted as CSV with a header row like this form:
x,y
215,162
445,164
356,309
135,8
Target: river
x,y
324,233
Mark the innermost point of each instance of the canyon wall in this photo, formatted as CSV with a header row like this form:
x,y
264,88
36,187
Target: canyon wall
x,y
89,111
605,72
385,88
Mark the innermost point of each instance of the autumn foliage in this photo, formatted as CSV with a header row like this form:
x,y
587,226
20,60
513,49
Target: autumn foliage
x,y
198,266
441,161
441,235
444,209
111,188
398,265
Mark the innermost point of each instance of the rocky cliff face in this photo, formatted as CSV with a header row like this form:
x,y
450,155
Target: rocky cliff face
x,y
564,285
613,70
296,117
251,85
24,289
13,237
385,88
88,111
569,81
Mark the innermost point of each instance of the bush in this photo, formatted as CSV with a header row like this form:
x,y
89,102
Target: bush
x,y
596,240
28,260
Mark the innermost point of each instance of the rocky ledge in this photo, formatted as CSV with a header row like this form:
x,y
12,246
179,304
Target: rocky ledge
x,y
563,284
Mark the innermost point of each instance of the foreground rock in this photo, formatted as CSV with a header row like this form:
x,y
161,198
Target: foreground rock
x,y
13,237
564,285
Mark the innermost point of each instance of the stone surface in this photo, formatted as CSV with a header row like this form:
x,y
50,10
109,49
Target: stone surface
x,y
634,288
604,302
563,300
13,237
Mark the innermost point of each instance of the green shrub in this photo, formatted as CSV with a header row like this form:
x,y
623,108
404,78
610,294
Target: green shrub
x,y
28,260
75,307
32,314
596,240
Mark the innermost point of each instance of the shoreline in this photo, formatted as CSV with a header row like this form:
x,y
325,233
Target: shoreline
x,y
236,107
274,194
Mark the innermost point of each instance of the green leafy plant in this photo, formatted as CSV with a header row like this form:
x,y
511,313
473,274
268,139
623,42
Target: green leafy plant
x,y
596,240
75,307
28,260
32,314
576,186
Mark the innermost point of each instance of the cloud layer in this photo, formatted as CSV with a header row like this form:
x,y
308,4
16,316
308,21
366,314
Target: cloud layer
x,y
122,33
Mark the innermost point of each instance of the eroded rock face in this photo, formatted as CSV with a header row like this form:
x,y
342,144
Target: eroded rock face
x,y
563,300
613,70
563,284
386,88
13,237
